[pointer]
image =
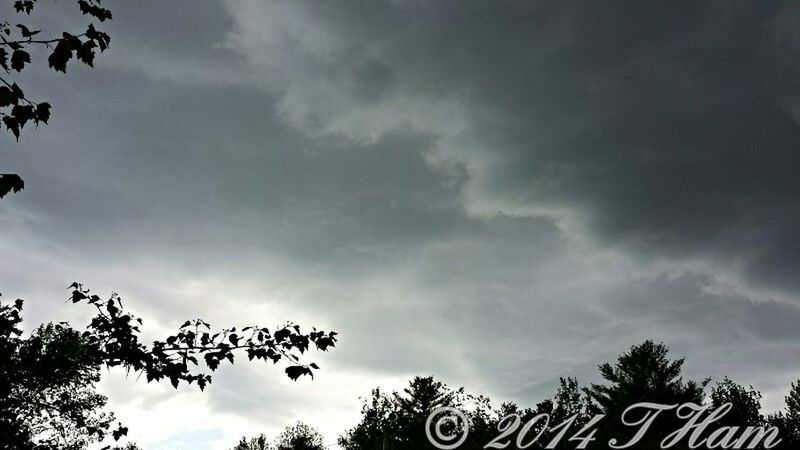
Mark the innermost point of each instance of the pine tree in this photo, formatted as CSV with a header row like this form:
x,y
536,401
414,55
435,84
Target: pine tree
x,y
643,374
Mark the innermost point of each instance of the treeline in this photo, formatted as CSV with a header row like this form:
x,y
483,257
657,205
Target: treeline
x,y
645,373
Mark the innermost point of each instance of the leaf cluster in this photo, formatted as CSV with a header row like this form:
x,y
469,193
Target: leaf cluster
x,y
47,381
297,437
195,349
47,397
18,41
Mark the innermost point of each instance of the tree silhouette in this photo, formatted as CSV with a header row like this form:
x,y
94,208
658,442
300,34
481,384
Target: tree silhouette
x,y
397,421
47,397
256,443
17,42
643,374
788,421
745,404
569,401
128,446
422,396
379,417
300,437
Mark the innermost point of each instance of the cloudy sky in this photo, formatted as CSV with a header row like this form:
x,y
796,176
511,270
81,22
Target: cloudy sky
x,y
494,193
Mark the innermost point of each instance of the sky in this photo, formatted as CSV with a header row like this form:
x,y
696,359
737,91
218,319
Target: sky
x,y
498,194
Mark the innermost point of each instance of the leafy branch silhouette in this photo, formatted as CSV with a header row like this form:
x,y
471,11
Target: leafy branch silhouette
x,y
47,381
16,40
114,336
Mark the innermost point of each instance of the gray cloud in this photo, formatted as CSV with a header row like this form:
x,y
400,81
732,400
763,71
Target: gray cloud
x,y
498,194
666,129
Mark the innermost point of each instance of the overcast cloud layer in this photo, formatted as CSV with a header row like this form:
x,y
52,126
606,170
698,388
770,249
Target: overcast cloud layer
x,y
495,193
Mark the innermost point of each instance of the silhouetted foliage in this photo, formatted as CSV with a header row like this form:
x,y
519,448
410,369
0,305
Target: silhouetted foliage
x,y
745,403
569,401
257,443
643,374
788,421
128,446
378,423
300,437
422,396
10,182
114,335
397,421
47,397
17,43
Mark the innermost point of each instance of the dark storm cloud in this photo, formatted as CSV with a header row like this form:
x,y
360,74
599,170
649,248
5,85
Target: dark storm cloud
x,y
669,128
496,193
